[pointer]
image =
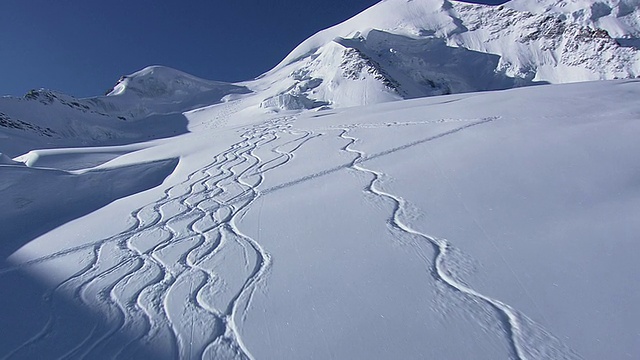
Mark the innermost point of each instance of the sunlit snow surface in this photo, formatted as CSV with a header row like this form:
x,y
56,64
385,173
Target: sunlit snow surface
x,y
500,225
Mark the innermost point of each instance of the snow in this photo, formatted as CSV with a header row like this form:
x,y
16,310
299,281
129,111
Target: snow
x,y
363,199
620,18
480,225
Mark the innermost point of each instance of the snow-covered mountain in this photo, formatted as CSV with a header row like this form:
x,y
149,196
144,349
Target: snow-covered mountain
x,y
159,89
146,104
317,212
413,48
397,49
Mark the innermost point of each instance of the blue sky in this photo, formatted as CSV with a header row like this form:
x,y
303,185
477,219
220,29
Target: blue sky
x,y
82,47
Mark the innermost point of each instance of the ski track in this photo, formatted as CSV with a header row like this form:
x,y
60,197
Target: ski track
x,y
173,250
171,254
512,321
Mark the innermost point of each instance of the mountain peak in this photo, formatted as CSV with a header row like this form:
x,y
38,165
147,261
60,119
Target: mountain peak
x,y
414,48
161,89
157,81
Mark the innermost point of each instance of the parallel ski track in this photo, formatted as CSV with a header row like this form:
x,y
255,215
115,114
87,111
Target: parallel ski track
x,y
128,282
509,318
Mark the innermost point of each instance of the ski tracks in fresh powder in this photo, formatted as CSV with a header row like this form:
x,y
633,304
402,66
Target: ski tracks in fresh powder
x,y
179,281
175,283
526,339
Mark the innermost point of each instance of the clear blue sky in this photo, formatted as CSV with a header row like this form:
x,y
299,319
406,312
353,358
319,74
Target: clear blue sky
x,y
82,47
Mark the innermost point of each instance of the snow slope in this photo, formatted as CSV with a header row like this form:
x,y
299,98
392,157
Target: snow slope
x,y
314,212
479,225
397,49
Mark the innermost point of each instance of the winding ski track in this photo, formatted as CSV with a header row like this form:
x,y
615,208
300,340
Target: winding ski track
x,y
168,256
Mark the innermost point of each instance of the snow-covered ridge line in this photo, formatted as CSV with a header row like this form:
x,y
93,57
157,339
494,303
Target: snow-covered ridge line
x,y
522,347
396,49
145,105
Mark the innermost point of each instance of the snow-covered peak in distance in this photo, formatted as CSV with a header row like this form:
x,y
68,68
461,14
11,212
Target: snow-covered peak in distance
x,y
160,89
412,48
146,104
161,81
